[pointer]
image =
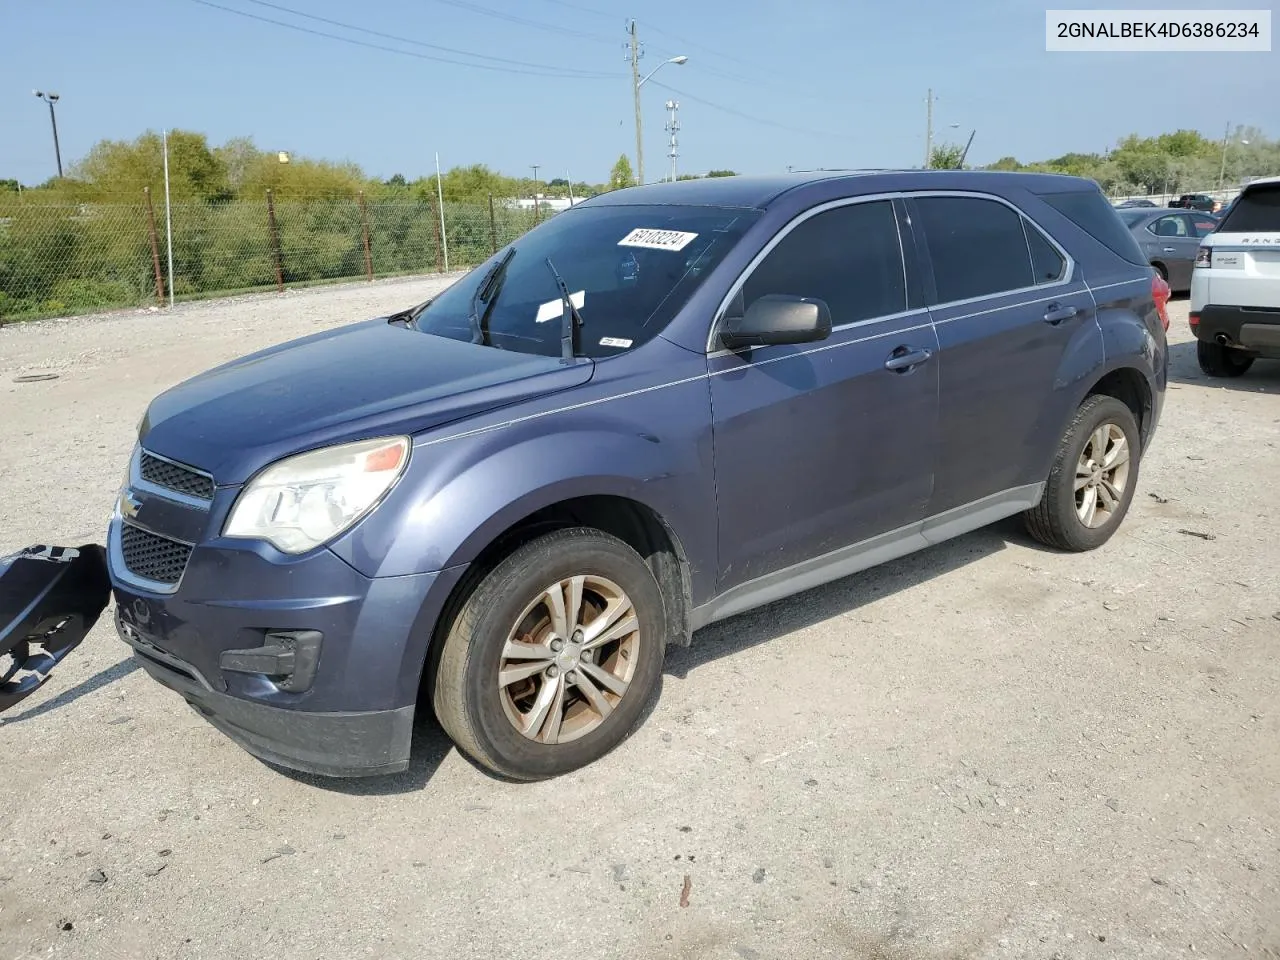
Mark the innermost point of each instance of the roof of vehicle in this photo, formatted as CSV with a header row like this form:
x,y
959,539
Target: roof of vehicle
x,y
1260,182
759,191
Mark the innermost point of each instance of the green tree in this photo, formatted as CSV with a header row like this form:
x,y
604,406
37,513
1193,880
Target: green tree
x,y
946,156
621,175
122,168
9,186
721,173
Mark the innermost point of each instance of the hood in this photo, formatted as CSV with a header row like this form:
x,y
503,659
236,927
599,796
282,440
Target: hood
x,y
363,380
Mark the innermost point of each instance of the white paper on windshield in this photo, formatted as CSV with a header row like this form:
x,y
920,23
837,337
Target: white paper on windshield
x,y
555,308
614,342
657,239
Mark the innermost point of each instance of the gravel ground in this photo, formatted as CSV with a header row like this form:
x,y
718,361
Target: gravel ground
x,y
984,750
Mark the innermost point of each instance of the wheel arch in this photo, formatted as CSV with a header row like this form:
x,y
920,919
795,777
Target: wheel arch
x,y
636,523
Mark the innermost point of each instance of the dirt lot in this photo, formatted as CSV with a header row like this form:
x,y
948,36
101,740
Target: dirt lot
x,y
985,750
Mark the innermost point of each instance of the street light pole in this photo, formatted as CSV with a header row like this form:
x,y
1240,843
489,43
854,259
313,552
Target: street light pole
x,y
928,130
52,98
637,82
534,167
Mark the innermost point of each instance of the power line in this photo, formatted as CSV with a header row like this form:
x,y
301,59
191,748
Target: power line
x,y
753,81
537,71
525,21
698,46
748,116
423,43
580,8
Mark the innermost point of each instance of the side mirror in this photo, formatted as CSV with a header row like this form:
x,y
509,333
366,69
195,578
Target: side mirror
x,y
778,318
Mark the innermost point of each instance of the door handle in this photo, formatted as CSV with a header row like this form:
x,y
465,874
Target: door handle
x,y
1169,250
904,358
1056,314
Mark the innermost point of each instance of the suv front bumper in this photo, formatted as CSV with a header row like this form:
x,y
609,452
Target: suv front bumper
x,y
304,662
337,744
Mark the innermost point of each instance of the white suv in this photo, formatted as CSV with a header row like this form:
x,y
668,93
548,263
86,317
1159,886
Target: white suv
x,y
1235,287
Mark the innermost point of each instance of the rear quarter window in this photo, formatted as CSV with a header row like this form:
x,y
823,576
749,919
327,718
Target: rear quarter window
x,y
1090,211
1256,211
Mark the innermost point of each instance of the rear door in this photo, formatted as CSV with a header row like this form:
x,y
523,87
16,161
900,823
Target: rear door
x,y
1006,303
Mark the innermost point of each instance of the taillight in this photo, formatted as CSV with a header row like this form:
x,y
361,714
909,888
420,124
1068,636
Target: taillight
x,y
1204,256
1160,294
1193,319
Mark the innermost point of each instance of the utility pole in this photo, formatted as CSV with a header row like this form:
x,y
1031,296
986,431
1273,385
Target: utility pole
x,y
1221,173
534,167
634,57
928,130
673,125
51,99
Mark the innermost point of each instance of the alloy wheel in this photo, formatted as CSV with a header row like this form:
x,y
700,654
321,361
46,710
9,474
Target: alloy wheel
x,y
1102,473
569,659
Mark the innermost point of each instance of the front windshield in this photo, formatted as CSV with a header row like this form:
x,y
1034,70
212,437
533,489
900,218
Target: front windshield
x,y
628,270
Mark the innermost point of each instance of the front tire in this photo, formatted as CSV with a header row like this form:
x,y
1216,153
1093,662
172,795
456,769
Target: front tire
x,y
1092,480
553,657
1219,361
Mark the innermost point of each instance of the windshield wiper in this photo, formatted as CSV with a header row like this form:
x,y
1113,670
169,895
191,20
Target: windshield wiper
x,y
570,319
487,294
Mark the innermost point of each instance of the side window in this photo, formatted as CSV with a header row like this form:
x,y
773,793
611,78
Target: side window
x,y
1047,264
1170,226
849,256
1203,226
977,247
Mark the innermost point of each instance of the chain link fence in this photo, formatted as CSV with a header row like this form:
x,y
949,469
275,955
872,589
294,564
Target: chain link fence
x,y
59,259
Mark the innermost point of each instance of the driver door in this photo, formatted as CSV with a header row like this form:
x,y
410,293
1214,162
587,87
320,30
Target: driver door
x,y
821,446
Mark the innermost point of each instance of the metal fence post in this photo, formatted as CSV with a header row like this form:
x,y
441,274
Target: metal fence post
x,y
275,242
439,240
155,246
364,228
493,227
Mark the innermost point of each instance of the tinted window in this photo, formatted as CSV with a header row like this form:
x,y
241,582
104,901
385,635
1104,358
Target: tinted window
x,y
977,246
1255,211
848,256
1047,264
1089,210
1133,216
1204,226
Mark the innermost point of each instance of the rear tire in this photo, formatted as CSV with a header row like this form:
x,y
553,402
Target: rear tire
x,y
1091,483
527,701
1219,361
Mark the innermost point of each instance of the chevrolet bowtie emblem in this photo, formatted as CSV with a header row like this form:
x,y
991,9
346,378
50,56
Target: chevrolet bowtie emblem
x,y
129,504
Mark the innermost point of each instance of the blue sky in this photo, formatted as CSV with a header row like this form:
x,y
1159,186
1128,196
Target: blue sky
x,y
769,83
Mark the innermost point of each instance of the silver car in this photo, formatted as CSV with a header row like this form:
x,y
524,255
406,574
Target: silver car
x,y
1169,239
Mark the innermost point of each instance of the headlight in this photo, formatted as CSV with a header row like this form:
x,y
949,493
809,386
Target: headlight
x,y
304,501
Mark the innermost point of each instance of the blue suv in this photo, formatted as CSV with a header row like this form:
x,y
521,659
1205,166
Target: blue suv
x,y
661,408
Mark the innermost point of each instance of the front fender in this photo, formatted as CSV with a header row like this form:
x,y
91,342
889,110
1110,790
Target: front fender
x,y
460,494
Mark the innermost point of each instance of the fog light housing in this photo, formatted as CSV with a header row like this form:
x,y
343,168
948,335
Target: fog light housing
x,y
288,658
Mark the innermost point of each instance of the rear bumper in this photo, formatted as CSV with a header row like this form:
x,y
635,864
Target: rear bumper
x,y
347,744
1255,329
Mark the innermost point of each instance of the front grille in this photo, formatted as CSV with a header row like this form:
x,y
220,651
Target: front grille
x,y
173,476
151,556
